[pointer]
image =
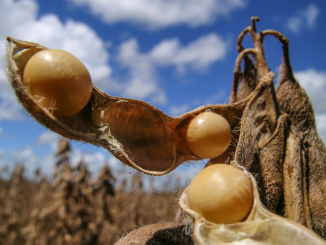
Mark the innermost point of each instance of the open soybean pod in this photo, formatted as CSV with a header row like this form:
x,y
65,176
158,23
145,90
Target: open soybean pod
x,y
135,132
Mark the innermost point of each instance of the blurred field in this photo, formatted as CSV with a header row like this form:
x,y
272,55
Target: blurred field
x,y
72,208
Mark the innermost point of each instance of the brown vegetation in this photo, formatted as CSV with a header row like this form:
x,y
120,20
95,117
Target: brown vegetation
x,y
75,209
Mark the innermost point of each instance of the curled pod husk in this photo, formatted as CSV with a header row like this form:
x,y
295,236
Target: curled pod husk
x,y
157,234
259,227
135,132
244,82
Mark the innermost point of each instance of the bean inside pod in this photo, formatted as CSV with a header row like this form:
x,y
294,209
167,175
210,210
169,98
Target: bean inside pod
x,y
221,193
59,81
208,135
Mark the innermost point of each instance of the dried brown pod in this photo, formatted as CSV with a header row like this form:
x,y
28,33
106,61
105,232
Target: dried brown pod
x,y
135,132
306,163
290,157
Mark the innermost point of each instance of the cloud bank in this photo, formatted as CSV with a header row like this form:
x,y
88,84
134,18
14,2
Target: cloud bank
x,y
314,82
161,13
143,81
304,19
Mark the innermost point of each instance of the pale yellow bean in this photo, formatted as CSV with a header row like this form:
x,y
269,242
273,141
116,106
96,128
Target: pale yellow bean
x,y
208,135
221,193
58,81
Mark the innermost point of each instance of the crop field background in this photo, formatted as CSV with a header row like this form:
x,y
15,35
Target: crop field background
x,y
72,208
174,55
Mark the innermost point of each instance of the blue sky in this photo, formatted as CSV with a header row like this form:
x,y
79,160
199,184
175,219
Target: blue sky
x,y
176,55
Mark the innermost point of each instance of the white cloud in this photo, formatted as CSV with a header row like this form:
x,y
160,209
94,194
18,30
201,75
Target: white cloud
x,y
161,13
21,22
178,110
305,19
143,81
218,98
321,126
311,14
48,138
9,106
94,160
314,82
294,24
30,160
198,54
